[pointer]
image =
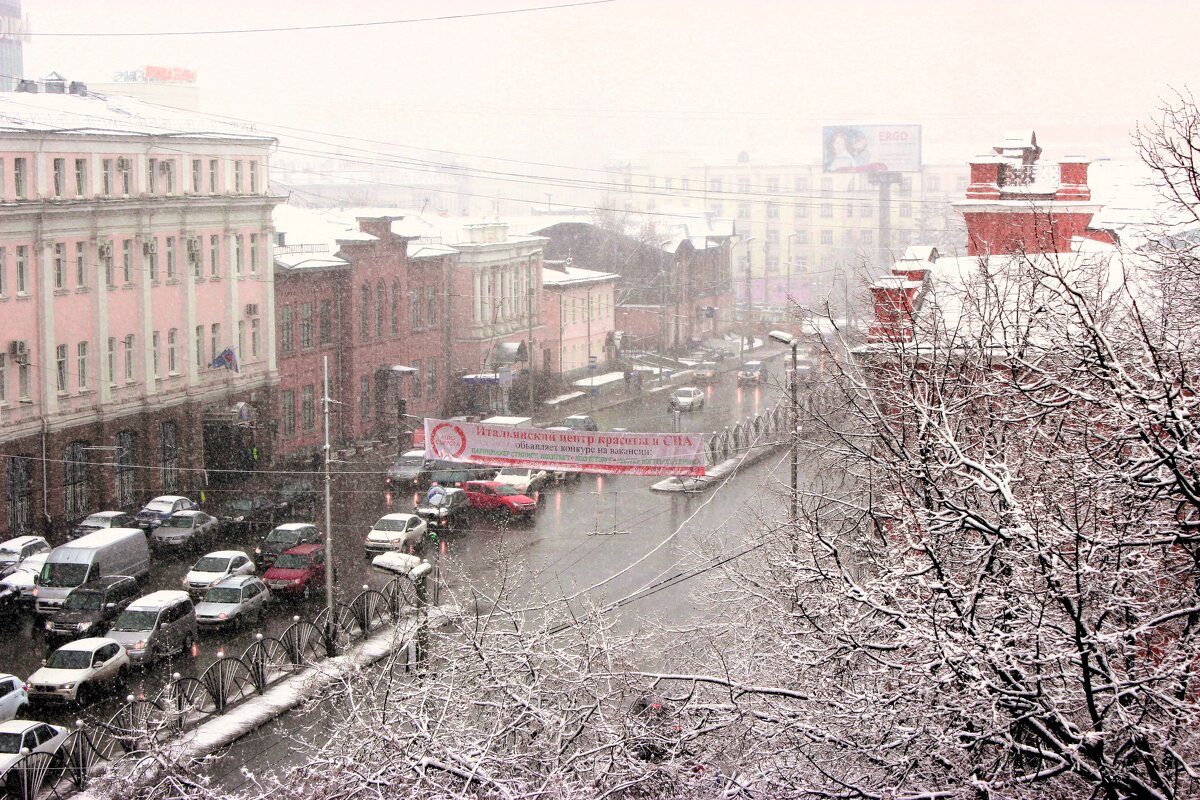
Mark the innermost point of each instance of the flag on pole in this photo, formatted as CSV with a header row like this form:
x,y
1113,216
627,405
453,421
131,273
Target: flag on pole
x,y
227,359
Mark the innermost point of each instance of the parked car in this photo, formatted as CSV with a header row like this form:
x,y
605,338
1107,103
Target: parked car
x,y
284,537
14,702
448,473
21,736
409,471
451,514
299,571
525,480
752,373
216,567
233,601
186,528
14,551
104,519
563,475
686,398
705,372
91,607
22,581
78,671
580,422
155,625
115,551
12,605
158,510
499,498
395,532
295,499
247,514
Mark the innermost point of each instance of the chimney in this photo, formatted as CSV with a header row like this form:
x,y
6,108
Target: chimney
x,y
1073,179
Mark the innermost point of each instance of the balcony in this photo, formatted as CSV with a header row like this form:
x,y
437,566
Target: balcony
x,y
1029,178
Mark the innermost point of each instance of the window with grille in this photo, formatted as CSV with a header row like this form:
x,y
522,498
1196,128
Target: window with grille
x,y
18,479
123,469
306,328
169,456
75,483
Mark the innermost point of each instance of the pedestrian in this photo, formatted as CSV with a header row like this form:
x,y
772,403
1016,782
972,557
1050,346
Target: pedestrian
x,y
628,378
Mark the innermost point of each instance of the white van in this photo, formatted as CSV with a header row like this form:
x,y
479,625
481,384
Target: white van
x,y
509,422
116,551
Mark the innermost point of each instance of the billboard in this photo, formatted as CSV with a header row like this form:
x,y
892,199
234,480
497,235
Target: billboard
x,y
871,148
571,451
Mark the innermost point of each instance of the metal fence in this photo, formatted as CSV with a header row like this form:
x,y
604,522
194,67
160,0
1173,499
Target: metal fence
x,y
185,702
761,429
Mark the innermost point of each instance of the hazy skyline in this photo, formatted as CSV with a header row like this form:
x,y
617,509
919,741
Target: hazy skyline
x,y
588,84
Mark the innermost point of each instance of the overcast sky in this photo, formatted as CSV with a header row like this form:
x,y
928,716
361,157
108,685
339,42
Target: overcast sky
x,y
586,84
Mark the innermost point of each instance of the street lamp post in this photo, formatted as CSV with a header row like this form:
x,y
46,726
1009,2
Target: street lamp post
x,y
746,322
793,342
791,236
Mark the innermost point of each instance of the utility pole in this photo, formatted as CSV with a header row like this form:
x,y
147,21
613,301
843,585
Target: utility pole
x,y
330,621
784,337
530,311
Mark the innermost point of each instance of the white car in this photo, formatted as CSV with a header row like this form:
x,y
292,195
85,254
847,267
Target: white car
x,y
523,479
395,532
216,567
686,398
77,670
14,702
14,551
19,736
185,527
233,601
22,578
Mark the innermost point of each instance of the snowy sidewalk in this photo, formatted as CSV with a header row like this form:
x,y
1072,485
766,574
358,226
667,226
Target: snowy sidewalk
x,y
717,474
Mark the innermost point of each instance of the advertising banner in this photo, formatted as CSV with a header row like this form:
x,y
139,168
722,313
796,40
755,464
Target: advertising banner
x,y
871,148
572,451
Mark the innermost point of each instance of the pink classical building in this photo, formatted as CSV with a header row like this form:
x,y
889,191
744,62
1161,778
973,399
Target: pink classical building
x,y
579,308
134,250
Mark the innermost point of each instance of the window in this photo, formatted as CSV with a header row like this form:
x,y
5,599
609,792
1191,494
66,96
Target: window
x,y
237,177
849,210
289,412
772,239
151,250
960,184
906,209
254,336
129,358
285,329
3,271
171,363
744,185
215,341
3,378
106,177
364,311
905,186
772,263
75,487
106,256
431,306
60,354
743,210
124,468
22,270
933,183
306,340
123,167
197,175
826,210
326,322
60,176
715,185
241,346
194,255
169,169
416,376
60,265
867,237
364,396
127,261
214,255
23,383
683,184
170,258
111,363
212,176
18,479
154,343
414,309
237,254
826,237
801,237
431,378
866,210
801,183
80,177
380,310
253,177
20,177
199,346
80,266
395,308
826,185
169,455
772,210
253,253
82,365
308,416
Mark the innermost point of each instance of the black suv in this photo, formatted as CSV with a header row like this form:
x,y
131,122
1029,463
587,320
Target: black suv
x,y
451,513
91,607
409,472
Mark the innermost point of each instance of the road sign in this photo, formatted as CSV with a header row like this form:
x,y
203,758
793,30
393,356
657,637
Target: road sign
x,y
591,362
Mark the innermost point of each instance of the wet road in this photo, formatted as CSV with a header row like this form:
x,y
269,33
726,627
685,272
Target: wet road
x,y
601,538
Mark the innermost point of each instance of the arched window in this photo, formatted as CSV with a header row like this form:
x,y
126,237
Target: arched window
x,y
395,307
124,468
364,312
18,479
380,298
75,482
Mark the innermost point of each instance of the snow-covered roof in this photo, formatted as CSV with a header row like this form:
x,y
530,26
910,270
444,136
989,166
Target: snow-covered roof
x,y
110,115
574,276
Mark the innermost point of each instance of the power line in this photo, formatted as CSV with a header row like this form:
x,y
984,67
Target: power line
x,y
333,26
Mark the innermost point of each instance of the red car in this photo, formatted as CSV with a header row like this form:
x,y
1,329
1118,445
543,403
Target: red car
x,y
299,571
498,498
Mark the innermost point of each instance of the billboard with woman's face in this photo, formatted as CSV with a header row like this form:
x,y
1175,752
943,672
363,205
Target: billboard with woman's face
x,y
871,148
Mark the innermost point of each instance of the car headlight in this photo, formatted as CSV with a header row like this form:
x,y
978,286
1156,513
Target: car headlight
x,y
183,582
49,625
258,551
239,519
83,626
223,615
139,645
67,686
298,582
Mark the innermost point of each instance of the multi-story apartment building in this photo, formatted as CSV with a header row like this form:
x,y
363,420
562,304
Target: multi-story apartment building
x,y
579,309
133,254
803,233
